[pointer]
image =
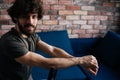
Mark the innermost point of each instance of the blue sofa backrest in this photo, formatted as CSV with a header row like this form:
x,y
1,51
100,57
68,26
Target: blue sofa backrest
x,y
84,46
57,38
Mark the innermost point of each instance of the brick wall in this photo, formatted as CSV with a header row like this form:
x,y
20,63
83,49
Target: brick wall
x,y
82,18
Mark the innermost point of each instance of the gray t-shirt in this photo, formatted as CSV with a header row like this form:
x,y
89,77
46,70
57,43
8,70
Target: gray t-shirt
x,y
13,46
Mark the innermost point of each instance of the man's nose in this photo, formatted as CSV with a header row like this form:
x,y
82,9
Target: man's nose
x,y
29,20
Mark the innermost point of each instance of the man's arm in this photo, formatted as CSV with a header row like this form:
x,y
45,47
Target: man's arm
x,y
34,59
61,59
89,62
52,50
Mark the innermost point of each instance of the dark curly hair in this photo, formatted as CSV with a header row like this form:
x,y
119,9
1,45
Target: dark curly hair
x,y
23,7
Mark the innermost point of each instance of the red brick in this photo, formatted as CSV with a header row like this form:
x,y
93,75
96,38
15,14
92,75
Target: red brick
x,y
65,12
86,26
94,13
50,12
76,31
73,17
6,27
73,36
101,17
100,27
57,17
50,22
66,2
73,7
3,11
46,7
88,8
50,1
58,7
80,22
85,35
57,27
4,17
88,17
94,22
96,35
46,17
65,22
4,22
107,4
43,27
92,31
80,12
107,13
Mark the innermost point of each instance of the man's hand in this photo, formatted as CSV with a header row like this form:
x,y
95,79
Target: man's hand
x,y
89,63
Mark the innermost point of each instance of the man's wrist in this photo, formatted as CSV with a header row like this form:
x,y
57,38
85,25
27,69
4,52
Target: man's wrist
x,y
78,61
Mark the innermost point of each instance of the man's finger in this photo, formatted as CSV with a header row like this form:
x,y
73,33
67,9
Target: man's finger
x,y
92,71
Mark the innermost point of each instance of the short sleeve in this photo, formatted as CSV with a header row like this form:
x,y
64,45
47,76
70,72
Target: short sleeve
x,y
37,37
15,48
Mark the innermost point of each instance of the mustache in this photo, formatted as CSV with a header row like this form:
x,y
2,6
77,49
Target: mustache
x,y
28,25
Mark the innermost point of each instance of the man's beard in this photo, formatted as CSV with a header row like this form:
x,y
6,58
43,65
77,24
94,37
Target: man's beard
x,y
23,29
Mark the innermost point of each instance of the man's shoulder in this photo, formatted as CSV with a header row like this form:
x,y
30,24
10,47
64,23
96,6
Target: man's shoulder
x,y
8,36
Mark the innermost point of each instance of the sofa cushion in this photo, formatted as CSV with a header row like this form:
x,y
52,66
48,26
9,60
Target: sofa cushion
x,y
108,50
59,39
83,46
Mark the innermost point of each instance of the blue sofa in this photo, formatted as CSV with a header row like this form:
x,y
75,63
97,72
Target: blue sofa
x,y
105,49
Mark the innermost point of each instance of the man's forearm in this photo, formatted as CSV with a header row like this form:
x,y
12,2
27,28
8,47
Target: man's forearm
x,y
34,59
61,53
56,63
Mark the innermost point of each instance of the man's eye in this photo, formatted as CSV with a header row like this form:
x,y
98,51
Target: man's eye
x,y
34,16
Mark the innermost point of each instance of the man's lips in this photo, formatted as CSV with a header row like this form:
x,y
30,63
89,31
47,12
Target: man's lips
x,y
29,28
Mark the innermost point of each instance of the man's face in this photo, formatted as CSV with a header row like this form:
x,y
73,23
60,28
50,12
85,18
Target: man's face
x,y
27,23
